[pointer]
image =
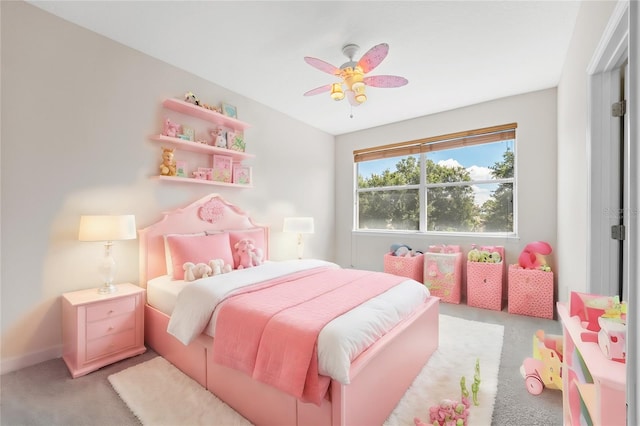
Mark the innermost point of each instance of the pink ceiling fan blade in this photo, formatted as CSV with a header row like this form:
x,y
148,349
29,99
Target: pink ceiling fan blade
x,y
318,90
373,57
385,81
322,65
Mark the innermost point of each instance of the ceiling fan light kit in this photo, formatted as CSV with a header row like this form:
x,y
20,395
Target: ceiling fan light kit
x,y
352,74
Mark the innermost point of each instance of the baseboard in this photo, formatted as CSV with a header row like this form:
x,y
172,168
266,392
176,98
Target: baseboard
x,y
16,363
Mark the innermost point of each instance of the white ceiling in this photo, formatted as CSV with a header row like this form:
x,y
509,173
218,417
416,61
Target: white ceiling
x,y
454,53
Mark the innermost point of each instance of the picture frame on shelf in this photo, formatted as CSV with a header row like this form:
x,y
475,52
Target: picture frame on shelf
x,y
222,168
229,110
181,168
241,174
189,132
235,141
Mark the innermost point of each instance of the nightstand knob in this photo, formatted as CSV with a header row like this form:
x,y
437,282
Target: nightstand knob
x,y
110,328
110,312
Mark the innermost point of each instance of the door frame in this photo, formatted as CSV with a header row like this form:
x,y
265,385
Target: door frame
x,y
602,158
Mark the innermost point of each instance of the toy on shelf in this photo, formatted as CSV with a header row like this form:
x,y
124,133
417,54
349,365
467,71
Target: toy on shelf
x,y
218,138
168,165
545,368
590,307
193,99
171,129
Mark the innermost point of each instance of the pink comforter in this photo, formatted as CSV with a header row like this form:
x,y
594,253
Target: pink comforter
x,y
270,332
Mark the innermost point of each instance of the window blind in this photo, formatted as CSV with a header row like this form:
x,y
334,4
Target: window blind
x,y
437,143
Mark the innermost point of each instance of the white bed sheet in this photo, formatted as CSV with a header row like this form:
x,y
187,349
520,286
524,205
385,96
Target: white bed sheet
x,y
339,342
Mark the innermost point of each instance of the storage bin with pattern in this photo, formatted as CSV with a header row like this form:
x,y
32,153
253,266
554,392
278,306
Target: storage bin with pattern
x,y
530,292
484,282
411,267
443,275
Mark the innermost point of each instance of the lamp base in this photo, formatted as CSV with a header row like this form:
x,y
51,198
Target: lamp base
x,y
107,289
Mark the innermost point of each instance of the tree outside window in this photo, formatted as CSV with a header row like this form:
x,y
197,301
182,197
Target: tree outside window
x,y
463,189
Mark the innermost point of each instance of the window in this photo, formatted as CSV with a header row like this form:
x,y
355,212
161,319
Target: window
x,y
456,183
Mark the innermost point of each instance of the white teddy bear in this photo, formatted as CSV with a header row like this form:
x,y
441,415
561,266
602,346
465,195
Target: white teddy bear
x,y
219,267
194,271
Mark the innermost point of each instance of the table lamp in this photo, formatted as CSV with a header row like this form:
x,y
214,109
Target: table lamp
x,y
298,225
107,229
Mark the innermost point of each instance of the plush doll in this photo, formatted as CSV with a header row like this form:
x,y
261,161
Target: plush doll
x,y
533,256
247,254
219,267
168,165
191,98
194,271
401,250
171,129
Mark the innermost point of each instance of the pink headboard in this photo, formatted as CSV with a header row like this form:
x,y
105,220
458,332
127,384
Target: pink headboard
x,y
211,213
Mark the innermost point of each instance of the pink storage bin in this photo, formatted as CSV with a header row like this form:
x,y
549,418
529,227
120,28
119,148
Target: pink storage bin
x,y
484,282
410,267
443,275
530,292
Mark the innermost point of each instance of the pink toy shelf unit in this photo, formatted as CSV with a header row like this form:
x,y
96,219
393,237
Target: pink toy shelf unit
x,y
594,387
530,292
405,266
443,272
484,279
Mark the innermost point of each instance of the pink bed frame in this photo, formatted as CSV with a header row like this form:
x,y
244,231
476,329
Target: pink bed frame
x,y
379,376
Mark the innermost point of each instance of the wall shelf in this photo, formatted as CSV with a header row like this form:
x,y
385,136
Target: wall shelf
x,y
189,180
210,153
204,114
201,148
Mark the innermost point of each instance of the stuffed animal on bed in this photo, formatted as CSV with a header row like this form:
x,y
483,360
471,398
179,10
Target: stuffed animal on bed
x,y
193,271
247,254
219,267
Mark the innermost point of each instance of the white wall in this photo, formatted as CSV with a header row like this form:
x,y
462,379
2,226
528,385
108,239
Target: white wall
x,y
535,114
77,110
572,147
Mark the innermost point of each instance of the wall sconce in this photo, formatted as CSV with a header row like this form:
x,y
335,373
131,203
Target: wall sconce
x,y
107,229
298,225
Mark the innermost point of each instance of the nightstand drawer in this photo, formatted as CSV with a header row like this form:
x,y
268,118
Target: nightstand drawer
x,y
110,309
109,326
110,344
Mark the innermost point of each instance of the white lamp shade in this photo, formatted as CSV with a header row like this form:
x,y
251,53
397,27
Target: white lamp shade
x,y
107,228
299,225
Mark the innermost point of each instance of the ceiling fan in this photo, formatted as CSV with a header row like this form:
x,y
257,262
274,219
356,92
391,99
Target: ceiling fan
x,y
353,73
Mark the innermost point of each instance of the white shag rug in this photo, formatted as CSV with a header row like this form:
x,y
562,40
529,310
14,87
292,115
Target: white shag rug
x,y
160,394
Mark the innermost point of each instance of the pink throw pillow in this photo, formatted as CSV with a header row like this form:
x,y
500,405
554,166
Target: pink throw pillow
x,y
255,234
198,249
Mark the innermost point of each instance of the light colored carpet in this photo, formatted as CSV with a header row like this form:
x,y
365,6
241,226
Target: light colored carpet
x,y
160,394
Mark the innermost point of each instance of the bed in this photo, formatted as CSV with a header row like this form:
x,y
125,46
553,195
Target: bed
x,y
376,378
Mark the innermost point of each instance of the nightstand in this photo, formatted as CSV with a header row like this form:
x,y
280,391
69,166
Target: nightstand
x,y
100,329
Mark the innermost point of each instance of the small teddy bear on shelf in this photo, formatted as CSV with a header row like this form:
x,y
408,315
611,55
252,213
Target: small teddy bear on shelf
x,y
168,165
